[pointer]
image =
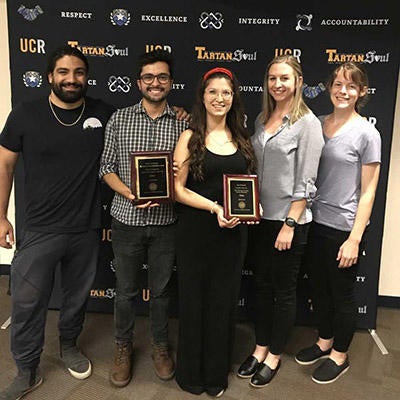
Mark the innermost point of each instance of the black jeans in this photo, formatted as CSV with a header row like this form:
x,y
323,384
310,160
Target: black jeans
x,y
32,277
333,296
275,278
132,246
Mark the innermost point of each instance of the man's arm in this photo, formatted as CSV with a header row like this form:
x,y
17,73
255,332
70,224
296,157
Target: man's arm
x,y
181,114
115,183
8,160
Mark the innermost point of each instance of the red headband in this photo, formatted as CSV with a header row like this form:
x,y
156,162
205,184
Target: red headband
x,y
215,70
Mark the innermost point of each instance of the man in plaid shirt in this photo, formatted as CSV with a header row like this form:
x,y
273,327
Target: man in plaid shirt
x,y
146,231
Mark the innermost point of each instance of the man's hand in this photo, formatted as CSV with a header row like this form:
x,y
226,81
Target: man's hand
x,y
181,114
6,234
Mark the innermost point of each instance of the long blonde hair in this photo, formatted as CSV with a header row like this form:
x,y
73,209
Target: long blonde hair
x,y
299,107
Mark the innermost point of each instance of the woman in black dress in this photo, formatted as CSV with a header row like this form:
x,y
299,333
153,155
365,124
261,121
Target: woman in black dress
x,y
210,248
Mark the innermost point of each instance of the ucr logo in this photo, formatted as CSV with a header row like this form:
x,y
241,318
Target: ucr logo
x,y
32,45
152,47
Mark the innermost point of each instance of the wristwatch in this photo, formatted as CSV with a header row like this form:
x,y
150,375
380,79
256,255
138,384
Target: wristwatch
x,y
291,222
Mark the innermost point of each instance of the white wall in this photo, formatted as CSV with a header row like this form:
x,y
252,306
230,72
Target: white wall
x,y
389,284
5,104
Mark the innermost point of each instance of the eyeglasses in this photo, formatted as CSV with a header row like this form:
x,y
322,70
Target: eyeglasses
x,y
149,78
214,94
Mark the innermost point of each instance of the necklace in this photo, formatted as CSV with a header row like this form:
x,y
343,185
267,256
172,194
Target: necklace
x,y
63,123
217,142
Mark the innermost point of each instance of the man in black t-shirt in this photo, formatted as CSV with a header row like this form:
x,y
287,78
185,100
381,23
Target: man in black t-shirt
x,y
60,139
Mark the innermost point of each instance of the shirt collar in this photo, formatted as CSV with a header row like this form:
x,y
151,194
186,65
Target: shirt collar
x,y
167,110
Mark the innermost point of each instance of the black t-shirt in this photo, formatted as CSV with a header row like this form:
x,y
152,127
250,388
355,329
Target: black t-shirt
x,y
61,163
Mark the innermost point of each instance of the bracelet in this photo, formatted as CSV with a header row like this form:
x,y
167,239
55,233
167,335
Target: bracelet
x,y
212,208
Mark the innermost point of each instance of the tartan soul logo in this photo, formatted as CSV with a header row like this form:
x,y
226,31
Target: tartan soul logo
x,y
120,17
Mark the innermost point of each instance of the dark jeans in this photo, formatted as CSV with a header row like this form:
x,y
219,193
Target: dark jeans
x,y
275,278
32,276
333,295
132,246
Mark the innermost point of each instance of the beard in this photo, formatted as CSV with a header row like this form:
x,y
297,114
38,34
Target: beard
x,y
155,99
67,96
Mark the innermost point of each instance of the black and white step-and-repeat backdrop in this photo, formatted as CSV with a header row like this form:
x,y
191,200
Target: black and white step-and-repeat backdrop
x,y
240,35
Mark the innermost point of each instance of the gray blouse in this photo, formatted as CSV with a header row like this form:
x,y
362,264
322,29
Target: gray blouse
x,y
287,165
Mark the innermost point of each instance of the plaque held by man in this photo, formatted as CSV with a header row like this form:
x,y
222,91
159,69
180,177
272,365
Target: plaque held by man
x,y
152,177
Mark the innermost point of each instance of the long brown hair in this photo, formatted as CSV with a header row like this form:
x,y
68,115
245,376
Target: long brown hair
x,y
235,121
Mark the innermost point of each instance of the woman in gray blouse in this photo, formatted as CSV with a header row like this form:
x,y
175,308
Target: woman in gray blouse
x,y
287,143
347,179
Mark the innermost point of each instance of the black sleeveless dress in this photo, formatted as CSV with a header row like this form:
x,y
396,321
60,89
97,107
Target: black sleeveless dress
x,y
209,263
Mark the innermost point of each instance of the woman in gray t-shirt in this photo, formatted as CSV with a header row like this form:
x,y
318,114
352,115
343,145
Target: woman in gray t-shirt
x,y
346,184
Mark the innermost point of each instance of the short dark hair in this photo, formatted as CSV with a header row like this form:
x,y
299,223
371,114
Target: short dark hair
x,y
153,57
62,51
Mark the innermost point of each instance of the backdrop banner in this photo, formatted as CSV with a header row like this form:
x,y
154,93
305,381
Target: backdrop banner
x,y
241,35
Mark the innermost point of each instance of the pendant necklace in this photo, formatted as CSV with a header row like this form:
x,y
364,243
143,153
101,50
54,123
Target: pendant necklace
x,y
63,123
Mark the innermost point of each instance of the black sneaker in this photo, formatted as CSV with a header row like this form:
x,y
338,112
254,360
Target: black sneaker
x,y
311,355
76,363
329,371
23,383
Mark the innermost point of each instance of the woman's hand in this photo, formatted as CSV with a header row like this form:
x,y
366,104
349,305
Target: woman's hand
x,y
149,204
175,168
284,238
348,253
222,221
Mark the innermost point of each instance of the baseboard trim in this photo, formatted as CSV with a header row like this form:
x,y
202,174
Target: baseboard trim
x,y
4,269
389,301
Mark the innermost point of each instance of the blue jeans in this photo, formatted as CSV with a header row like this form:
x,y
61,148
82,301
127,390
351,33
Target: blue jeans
x,y
132,246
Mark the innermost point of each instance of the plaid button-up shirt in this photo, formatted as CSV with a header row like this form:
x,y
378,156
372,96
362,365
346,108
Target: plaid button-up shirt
x,y
131,129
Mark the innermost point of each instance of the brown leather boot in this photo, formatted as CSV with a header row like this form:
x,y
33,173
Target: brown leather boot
x,y
121,370
164,366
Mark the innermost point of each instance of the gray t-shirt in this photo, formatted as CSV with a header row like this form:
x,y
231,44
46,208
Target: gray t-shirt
x,y
339,173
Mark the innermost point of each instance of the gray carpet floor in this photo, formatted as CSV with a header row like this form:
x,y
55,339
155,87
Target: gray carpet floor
x,y
372,376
